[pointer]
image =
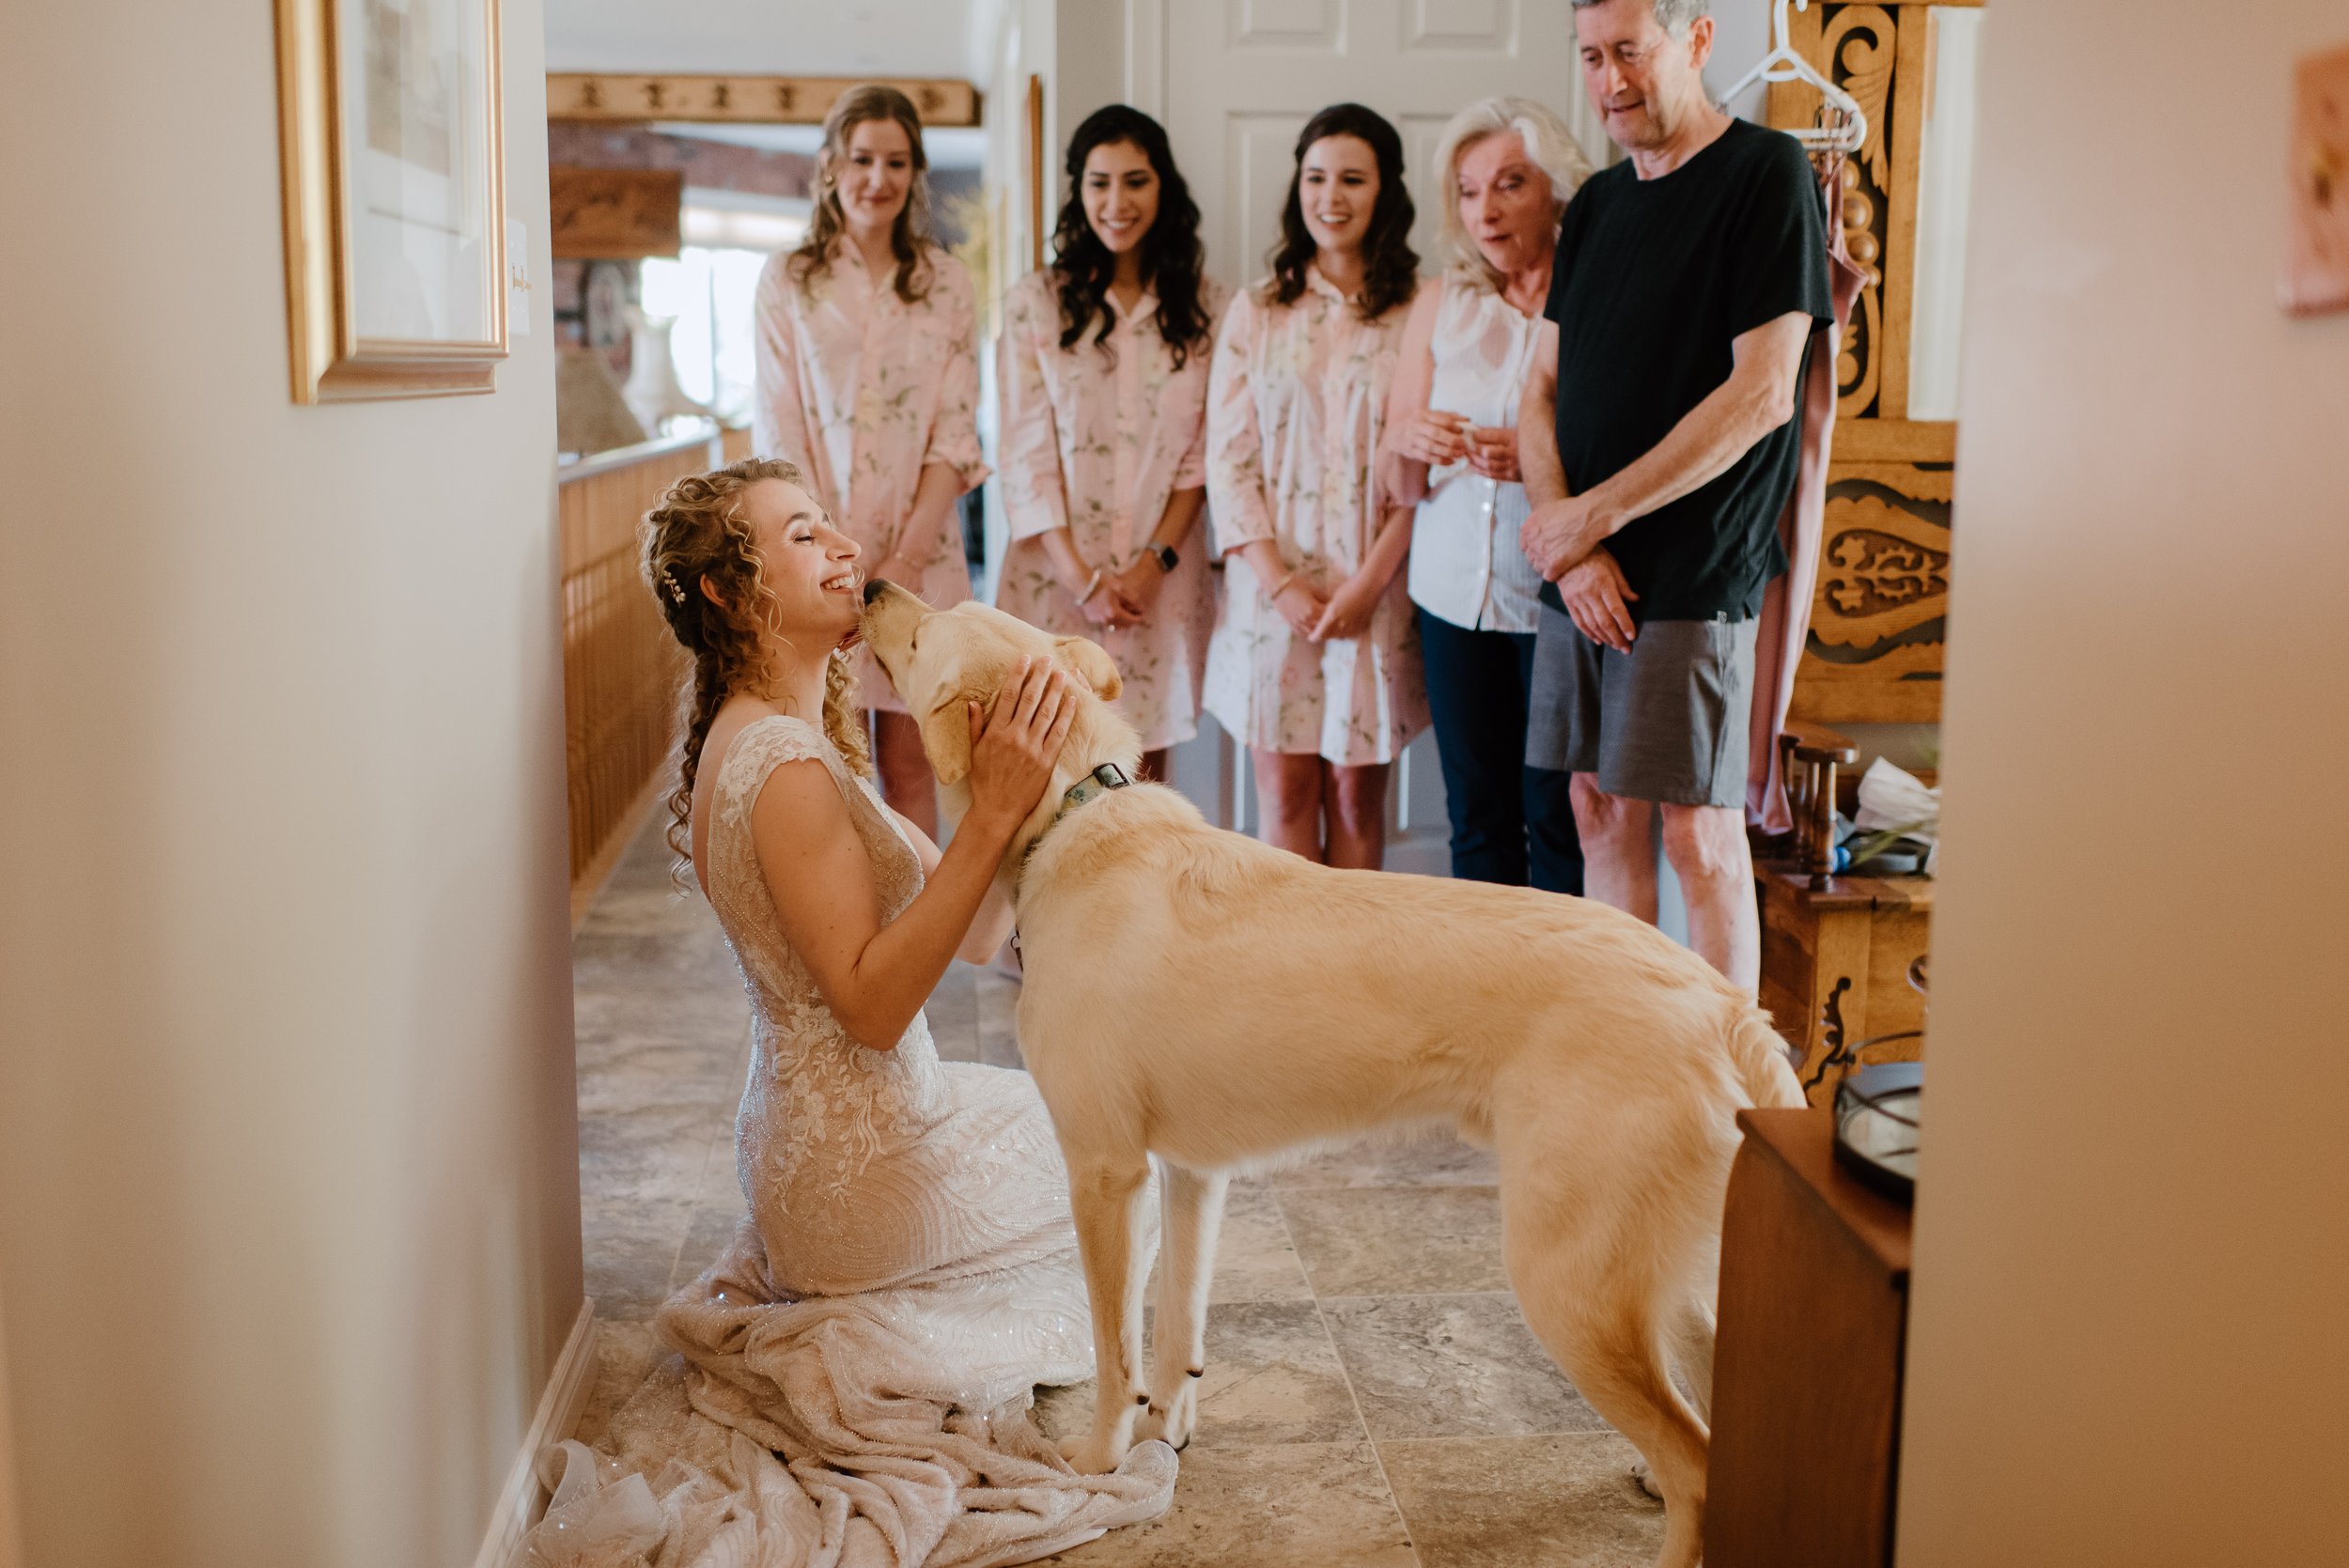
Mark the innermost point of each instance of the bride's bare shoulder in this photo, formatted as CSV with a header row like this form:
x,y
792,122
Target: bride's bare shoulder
x,y
796,748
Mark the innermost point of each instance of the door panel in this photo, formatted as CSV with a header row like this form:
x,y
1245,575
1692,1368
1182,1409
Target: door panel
x,y
1243,76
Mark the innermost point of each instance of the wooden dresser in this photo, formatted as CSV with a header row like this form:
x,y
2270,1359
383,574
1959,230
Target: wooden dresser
x,y
1807,1367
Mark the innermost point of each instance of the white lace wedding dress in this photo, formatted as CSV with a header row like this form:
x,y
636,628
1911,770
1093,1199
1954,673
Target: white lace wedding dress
x,y
858,1368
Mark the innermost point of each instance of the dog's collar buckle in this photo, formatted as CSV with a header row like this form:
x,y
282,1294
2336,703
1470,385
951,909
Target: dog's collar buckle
x,y
1092,786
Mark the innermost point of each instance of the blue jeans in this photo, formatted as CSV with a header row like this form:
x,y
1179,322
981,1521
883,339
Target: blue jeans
x,y
1510,823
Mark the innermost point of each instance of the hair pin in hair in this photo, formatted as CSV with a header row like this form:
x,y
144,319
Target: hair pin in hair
x,y
669,582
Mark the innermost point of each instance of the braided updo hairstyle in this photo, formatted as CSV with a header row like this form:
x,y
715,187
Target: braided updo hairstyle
x,y
697,533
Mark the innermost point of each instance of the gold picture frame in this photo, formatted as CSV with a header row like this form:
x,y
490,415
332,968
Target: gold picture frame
x,y
392,145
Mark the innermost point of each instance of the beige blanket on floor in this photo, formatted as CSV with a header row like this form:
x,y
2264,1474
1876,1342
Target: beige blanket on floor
x,y
794,1435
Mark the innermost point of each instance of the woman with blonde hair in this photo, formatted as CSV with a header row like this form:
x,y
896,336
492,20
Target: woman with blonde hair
x,y
1508,167
908,1272
868,380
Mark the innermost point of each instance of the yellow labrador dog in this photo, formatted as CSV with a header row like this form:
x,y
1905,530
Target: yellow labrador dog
x,y
1198,996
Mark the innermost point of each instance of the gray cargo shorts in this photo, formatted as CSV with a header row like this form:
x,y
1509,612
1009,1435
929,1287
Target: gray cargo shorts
x,y
1666,721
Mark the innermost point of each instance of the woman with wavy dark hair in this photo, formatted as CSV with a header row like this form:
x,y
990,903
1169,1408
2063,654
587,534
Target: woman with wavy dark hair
x,y
1314,664
868,380
1104,377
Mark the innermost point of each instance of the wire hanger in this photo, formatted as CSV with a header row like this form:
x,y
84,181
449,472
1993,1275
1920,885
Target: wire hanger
x,y
1849,132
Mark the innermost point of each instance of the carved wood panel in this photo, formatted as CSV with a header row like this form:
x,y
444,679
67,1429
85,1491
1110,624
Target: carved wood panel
x,y
1859,48
1879,615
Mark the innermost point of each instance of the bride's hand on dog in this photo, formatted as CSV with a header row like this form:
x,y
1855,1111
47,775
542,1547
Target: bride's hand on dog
x,y
1014,745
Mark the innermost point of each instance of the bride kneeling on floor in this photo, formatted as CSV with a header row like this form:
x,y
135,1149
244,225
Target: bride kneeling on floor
x,y
859,1364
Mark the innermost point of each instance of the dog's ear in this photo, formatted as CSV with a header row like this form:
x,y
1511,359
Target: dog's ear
x,y
946,736
1090,665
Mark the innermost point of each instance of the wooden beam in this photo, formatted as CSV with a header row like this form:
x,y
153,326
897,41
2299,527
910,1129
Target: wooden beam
x,y
624,97
1895,440
1912,82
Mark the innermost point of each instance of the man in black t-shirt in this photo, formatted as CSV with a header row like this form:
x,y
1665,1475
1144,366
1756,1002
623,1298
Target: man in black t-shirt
x,y
1658,437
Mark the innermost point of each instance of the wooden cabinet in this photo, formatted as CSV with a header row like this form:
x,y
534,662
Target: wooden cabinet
x,y
1807,1366
1835,961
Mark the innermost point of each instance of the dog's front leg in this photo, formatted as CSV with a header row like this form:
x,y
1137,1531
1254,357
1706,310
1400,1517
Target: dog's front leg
x,y
1194,1206
1106,1197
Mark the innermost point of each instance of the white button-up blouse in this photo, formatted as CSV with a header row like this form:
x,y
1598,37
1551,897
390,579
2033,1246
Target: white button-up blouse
x,y
1467,565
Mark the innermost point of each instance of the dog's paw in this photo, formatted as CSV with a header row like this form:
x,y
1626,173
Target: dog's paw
x,y
1171,1423
1091,1456
1646,1478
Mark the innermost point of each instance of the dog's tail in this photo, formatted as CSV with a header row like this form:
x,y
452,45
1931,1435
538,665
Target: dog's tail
x,y
1761,1057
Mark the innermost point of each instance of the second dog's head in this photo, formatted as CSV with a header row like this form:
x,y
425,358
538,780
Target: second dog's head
x,y
940,660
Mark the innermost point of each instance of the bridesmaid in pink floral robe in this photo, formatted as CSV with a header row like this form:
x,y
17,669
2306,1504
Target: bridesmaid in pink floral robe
x,y
1104,375
868,379
1314,664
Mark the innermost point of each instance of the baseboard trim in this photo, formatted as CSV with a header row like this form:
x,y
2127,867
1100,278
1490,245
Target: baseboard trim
x,y
519,1504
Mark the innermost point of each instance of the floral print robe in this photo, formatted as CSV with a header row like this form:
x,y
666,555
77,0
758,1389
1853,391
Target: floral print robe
x,y
864,391
1095,438
1296,407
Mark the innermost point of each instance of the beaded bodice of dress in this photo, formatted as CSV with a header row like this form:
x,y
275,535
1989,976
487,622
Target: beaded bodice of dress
x,y
818,1107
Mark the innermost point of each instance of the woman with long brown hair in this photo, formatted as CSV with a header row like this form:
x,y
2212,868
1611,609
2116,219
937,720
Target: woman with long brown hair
x,y
908,1272
1315,663
868,380
1104,374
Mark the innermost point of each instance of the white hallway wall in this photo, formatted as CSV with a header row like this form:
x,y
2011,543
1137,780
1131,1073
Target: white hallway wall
x,y
2132,1256
289,1224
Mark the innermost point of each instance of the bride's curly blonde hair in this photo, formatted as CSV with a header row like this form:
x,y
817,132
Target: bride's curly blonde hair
x,y
698,533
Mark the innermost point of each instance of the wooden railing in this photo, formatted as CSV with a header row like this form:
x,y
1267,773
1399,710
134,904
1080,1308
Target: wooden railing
x,y
621,668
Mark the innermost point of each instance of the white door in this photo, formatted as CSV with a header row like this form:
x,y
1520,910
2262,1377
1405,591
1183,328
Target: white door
x,y
1234,81
1244,77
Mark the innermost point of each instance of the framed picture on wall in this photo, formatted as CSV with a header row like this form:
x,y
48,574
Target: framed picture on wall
x,y
392,146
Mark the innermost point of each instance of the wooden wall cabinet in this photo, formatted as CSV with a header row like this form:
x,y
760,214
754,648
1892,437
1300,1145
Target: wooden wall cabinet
x,y
1807,1366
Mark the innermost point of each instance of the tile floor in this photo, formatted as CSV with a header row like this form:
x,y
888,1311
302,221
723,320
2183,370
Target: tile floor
x,y
1372,1397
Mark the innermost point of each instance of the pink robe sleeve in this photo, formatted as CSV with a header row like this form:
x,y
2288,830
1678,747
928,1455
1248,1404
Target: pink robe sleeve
x,y
954,429
778,416
1036,496
1235,454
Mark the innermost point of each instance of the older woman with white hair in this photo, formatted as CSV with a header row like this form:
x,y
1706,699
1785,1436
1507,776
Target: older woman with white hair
x,y
1508,167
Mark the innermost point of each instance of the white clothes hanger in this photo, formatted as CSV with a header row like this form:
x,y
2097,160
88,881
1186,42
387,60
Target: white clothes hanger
x,y
1782,64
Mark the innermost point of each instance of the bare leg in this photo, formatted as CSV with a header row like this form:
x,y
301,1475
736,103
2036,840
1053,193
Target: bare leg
x,y
907,781
1618,855
1106,1200
1289,800
1153,766
1707,850
1356,805
1194,1208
